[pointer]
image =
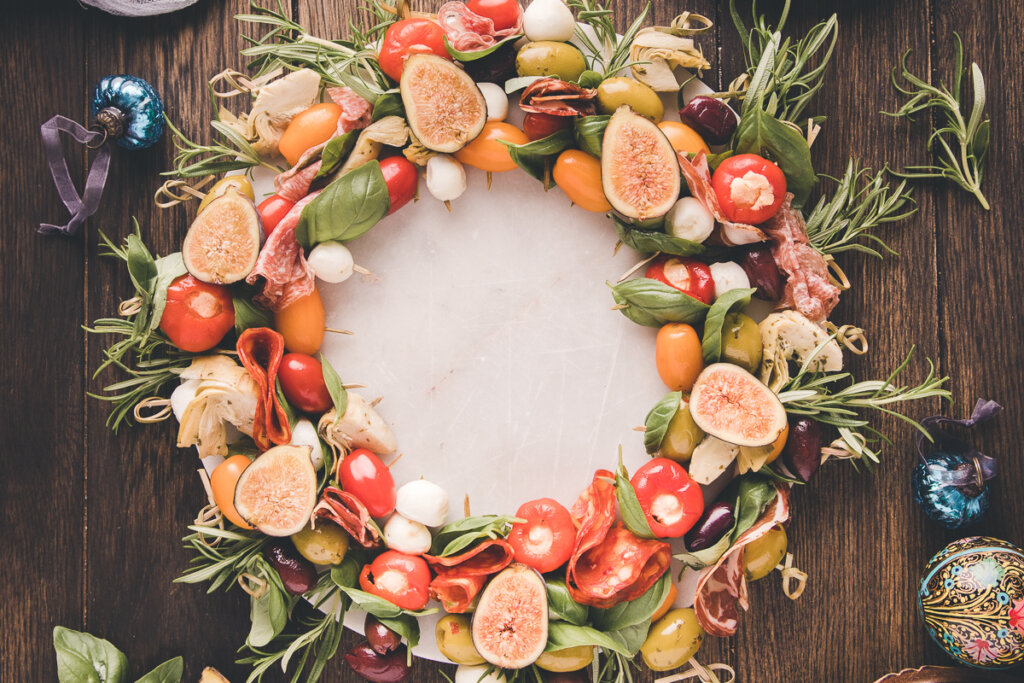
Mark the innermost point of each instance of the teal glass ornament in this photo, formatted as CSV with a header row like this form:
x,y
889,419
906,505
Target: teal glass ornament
x,y
129,110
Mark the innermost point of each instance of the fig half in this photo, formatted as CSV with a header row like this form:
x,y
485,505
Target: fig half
x,y
510,625
639,168
730,403
277,492
223,242
444,107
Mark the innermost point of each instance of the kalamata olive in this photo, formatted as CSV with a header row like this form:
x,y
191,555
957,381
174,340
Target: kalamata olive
x,y
802,453
763,273
297,573
712,118
567,677
497,67
712,525
389,668
382,639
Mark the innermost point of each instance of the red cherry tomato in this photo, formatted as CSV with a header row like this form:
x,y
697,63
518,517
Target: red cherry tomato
x,y
688,275
545,540
504,13
197,314
362,474
538,126
272,210
402,179
410,37
671,501
403,580
302,380
750,188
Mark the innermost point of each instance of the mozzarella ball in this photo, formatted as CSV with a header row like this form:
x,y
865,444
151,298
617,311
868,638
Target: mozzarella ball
x,y
497,101
304,434
728,275
477,674
422,501
182,396
549,20
690,220
446,178
406,536
331,262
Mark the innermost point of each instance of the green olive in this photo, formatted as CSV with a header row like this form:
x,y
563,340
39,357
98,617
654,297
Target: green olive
x,y
741,342
619,90
682,436
672,640
548,58
326,544
761,556
455,641
569,659
238,182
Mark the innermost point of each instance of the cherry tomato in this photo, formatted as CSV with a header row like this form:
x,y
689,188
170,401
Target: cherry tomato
x,y
750,188
667,604
578,174
197,314
537,125
403,180
272,210
683,138
678,356
688,275
504,13
301,323
308,129
407,37
671,501
362,474
486,151
403,580
545,540
302,380
223,481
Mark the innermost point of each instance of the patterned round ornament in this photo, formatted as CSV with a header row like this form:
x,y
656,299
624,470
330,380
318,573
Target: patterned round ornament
x,y
972,601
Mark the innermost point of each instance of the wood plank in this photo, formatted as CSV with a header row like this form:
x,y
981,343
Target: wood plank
x,y
42,366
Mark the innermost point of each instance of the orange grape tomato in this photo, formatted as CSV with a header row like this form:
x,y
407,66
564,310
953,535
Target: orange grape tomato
x,y
678,356
667,604
301,323
223,481
486,151
308,129
578,174
777,446
683,138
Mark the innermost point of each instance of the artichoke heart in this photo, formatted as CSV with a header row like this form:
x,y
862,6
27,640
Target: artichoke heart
x,y
390,131
359,427
225,394
658,50
275,105
790,336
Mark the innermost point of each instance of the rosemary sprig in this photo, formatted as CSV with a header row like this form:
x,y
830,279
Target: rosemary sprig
x,y
862,201
228,151
222,563
609,54
783,80
960,145
824,398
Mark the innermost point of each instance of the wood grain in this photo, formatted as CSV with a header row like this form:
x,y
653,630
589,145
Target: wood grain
x,y
95,519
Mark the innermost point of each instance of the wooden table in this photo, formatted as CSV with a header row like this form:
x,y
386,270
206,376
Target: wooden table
x,y
93,520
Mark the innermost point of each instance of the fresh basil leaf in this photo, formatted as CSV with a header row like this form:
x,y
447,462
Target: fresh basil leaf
x,y
388,104
379,607
346,574
652,303
562,606
269,615
638,611
589,133
562,635
629,506
753,494
335,153
589,79
168,269
711,342
169,672
514,84
461,534
537,157
248,315
84,658
632,637
285,405
141,264
347,208
762,134
335,388
648,242
405,626
657,420
479,54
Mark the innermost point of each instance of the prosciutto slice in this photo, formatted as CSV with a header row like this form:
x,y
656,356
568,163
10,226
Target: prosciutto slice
x,y
697,174
345,510
461,577
808,288
467,31
356,112
282,264
723,587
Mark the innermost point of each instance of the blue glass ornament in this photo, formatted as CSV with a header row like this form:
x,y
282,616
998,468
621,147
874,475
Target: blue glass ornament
x,y
950,483
129,109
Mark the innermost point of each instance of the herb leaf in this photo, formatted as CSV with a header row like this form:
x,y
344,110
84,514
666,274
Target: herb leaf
x,y
379,607
637,611
85,658
248,315
589,133
629,506
537,157
652,303
461,534
658,419
346,209
562,606
388,104
335,153
762,134
169,672
649,242
711,343
478,54
335,387
562,635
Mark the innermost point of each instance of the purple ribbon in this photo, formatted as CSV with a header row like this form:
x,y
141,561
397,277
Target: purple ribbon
x,y
980,467
81,207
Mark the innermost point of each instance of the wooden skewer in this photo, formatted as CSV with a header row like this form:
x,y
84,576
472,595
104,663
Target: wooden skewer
x,y
337,331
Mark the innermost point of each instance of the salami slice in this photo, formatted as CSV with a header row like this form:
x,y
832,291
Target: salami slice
x,y
722,588
282,264
260,350
345,510
461,577
294,183
467,31
356,112
697,174
558,98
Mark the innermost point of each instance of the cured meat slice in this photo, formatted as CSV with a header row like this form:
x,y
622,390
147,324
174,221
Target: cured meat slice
x,y
697,174
260,350
345,510
282,264
723,587
467,31
356,112
461,577
558,98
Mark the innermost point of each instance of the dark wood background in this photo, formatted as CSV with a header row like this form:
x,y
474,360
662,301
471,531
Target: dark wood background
x,y
92,521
